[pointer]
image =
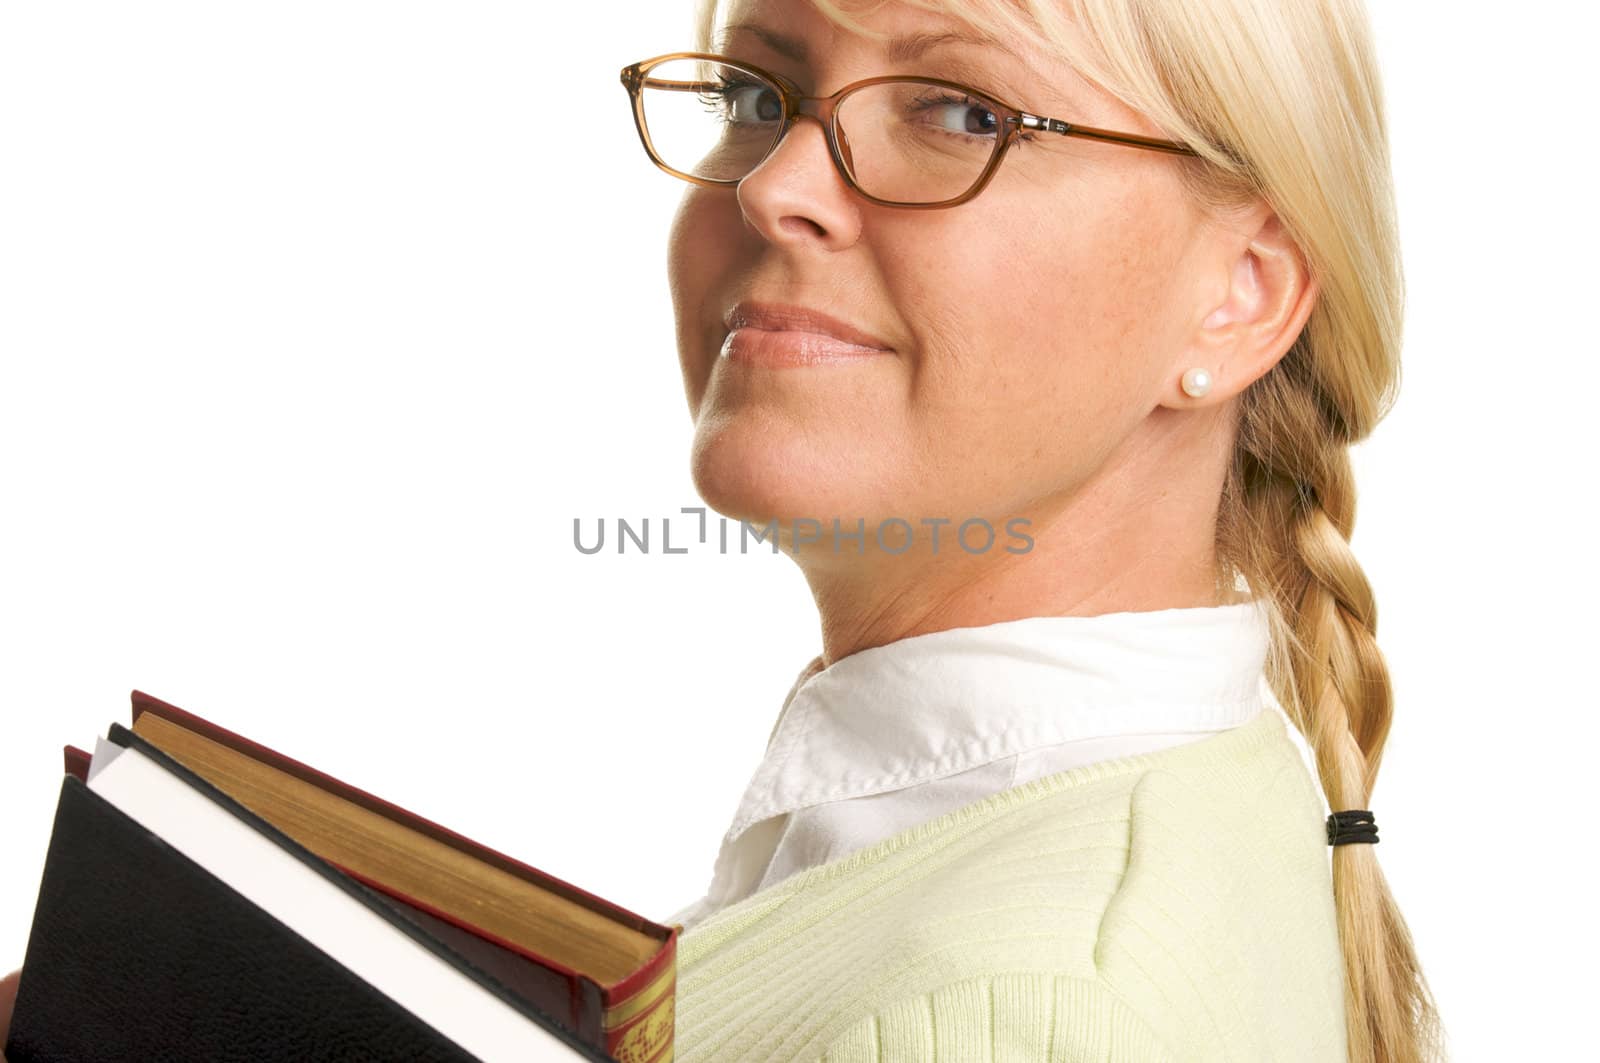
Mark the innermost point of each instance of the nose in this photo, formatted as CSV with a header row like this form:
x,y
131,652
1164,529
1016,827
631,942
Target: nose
x,y
796,193
811,108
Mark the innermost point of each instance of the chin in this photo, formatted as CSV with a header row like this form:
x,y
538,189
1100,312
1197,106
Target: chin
x,y
747,472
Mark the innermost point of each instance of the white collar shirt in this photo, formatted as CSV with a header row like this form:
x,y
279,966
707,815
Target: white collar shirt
x,y
897,735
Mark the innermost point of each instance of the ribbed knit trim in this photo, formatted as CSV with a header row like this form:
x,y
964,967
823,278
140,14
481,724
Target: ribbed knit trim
x,y
1008,1018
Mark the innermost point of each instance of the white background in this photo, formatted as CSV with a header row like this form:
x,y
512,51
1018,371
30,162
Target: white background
x,y
320,322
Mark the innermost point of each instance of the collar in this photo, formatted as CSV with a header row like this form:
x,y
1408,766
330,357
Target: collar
x,y
932,705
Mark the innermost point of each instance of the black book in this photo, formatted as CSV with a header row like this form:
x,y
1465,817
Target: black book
x,y
175,924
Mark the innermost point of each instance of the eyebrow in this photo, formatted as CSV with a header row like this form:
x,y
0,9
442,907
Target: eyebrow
x,y
899,50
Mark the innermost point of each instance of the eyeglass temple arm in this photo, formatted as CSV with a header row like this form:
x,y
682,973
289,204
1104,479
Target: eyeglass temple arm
x,y
1134,140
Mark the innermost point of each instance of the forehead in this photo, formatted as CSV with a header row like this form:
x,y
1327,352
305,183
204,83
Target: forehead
x,y
900,36
907,33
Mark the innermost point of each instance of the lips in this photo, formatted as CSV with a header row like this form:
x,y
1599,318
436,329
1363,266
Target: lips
x,y
778,317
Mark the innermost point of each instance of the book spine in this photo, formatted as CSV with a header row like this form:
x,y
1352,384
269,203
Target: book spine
x,y
639,1012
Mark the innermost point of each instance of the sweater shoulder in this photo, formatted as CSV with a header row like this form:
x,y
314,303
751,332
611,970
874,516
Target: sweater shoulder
x,y
1190,898
1222,932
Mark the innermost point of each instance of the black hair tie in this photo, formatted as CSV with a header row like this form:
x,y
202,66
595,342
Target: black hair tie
x,y
1352,825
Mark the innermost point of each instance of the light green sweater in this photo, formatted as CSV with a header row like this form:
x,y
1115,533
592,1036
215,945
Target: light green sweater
x,y
1169,906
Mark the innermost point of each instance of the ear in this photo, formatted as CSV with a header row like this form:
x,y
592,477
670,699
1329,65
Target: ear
x,y
1267,293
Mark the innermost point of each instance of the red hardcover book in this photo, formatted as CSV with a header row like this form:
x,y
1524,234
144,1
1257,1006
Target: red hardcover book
x,y
603,972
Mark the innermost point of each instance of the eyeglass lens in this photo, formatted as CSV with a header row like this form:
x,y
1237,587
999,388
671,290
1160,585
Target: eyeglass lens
x,y
904,142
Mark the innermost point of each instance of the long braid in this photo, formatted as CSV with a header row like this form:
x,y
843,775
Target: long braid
x,y
1287,515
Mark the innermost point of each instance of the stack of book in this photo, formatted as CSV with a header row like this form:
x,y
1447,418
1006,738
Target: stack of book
x,y
206,898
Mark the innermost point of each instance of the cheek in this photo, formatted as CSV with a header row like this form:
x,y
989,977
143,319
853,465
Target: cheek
x,y
1041,342
1102,287
701,246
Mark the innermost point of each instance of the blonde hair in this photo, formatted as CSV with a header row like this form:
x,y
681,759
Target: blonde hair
x,y
1282,100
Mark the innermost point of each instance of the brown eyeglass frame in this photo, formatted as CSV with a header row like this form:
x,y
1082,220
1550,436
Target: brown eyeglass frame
x,y
824,109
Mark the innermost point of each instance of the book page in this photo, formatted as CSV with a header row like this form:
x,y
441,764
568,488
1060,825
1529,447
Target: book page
x,y
104,753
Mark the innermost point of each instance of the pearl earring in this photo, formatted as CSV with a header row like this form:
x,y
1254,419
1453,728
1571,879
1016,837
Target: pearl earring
x,y
1196,382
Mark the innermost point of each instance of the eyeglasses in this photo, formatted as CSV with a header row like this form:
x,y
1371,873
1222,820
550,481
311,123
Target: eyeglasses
x,y
898,141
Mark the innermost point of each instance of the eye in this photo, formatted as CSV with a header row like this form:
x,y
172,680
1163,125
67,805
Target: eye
x,y
958,113
964,117
743,100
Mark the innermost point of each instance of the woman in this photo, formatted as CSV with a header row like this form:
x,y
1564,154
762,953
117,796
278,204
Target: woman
x,y
1123,275
1032,800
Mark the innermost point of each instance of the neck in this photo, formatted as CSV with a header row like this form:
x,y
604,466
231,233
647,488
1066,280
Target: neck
x,y
909,596
1114,544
